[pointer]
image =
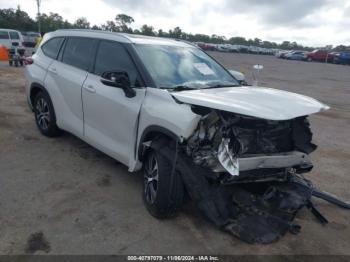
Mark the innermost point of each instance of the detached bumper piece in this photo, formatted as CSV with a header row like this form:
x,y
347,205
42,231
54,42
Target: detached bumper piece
x,y
256,212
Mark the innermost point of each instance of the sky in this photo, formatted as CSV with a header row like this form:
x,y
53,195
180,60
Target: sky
x,y
308,22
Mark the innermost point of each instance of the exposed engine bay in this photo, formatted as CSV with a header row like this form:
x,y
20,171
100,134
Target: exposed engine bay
x,y
245,173
225,142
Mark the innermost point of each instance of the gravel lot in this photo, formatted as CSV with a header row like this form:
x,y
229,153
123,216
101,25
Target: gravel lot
x,y
87,203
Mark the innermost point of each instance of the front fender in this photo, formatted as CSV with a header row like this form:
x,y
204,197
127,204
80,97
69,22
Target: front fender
x,y
161,112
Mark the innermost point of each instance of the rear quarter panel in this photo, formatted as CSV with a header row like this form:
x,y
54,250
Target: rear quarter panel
x,y
36,72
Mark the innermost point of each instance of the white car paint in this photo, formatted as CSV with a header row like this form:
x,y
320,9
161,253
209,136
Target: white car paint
x,y
105,118
8,43
161,110
260,102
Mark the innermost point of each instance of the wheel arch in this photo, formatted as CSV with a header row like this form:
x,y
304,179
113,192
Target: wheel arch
x,y
35,88
150,133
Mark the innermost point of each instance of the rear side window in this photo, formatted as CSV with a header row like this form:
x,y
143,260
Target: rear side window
x,y
52,47
112,56
14,35
4,35
78,52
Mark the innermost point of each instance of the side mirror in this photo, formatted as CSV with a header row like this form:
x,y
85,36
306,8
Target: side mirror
x,y
240,77
118,79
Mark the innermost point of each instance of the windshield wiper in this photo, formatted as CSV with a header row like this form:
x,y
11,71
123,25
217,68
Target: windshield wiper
x,y
220,86
178,88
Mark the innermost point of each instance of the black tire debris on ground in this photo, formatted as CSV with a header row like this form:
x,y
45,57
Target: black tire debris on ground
x,y
36,242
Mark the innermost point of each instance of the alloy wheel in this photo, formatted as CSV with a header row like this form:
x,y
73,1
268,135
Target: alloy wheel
x,y
42,114
151,178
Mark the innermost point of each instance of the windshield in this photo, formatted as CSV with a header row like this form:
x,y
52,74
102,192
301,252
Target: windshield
x,y
184,67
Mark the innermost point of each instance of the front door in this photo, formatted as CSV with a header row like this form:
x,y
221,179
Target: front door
x,y
111,118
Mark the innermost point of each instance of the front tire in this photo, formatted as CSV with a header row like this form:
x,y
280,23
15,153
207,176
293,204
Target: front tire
x,y
45,117
163,192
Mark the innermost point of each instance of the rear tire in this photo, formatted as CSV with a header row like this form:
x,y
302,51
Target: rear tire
x,y
45,117
162,196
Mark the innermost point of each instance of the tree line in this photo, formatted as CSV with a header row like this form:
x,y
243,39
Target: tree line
x,y
20,20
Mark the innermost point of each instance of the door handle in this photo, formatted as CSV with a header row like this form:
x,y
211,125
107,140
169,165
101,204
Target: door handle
x,y
90,88
53,70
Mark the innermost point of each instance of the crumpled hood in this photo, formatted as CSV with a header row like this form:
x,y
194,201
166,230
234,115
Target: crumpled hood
x,y
260,102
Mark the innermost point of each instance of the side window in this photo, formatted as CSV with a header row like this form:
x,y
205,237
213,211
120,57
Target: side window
x,y
78,52
52,47
14,35
4,35
112,56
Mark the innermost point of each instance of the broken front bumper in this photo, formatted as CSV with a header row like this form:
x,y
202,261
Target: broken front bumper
x,y
271,161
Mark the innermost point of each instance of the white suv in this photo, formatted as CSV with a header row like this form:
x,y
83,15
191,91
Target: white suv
x,y
168,107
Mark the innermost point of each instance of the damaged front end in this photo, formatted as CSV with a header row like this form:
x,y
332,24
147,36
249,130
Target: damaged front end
x,y
247,149
245,173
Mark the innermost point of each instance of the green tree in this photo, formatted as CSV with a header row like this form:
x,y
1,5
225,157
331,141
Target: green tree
x,y
123,21
147,30
110,26
237,40
216,39
96,27
81,23
16,19
52,22
175,33
20,20
257,42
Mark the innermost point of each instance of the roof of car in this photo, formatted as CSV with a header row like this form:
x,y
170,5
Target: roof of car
x,y
120,37
6,29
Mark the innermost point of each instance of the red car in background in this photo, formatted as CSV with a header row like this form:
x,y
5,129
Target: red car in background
x,y
207,47
320,56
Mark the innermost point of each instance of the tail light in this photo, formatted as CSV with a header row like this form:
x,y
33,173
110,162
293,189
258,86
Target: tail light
x,y
28,61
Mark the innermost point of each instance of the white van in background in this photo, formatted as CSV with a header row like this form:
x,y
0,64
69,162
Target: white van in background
x,y
11,39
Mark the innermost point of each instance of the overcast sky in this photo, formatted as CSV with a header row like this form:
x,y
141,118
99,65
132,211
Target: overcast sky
x,y
309,22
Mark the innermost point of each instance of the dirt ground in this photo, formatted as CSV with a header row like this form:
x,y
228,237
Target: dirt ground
x,y
64,197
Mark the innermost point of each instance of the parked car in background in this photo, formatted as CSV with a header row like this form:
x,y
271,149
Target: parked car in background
x,y
223,48
296,55
30,39
11,39
342,58
282,54
207,47
320,56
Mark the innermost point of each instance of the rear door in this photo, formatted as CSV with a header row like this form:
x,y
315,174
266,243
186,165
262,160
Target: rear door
x,y
5,39
16,39
110,118
65,78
